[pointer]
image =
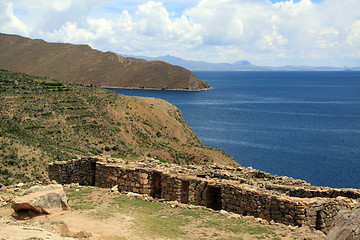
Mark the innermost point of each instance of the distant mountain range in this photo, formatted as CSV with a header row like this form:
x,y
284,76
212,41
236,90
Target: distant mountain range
x,y
239,66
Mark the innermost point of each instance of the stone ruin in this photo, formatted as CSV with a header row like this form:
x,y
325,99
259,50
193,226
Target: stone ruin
x,y
239,190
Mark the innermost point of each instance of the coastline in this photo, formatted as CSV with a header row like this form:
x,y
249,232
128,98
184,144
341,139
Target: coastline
x,y
157,89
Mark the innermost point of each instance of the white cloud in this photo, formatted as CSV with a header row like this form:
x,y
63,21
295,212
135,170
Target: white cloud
x,y
353,39
153,19
50,15
299,32
9,23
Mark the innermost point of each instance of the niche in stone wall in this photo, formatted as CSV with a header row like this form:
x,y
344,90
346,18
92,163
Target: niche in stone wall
x,y
92,173
320,215
155,191
213,197
185,192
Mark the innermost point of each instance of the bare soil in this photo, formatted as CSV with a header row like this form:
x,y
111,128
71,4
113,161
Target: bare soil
x,y
102,214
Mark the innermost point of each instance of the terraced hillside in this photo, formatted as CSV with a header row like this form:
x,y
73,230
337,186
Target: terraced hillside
x,y
44,120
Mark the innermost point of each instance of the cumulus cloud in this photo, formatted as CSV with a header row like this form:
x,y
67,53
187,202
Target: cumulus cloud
x,y
9,23
213,30
49,15
289,29
353,38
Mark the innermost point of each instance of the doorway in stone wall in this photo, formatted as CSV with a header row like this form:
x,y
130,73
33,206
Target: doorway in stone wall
x,y
185,192
213,197
156,185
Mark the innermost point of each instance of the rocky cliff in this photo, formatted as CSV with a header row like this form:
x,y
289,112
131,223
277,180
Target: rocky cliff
x,y
82,64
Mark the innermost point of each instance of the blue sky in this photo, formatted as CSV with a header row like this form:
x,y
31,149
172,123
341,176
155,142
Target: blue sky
x,y
265,32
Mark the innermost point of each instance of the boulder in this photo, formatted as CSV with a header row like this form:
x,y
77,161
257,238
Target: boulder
x,y
346,226
42,199
115,189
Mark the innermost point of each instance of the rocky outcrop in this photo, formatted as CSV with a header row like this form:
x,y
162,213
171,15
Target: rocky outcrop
x,y
346,226
42,199
82,64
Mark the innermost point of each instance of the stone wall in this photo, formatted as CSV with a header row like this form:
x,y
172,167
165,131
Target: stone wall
x,y
80,171
279,203
135,180
317,192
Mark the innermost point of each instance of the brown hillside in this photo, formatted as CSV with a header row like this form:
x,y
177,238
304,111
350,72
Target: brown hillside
x,y
82,64
44,120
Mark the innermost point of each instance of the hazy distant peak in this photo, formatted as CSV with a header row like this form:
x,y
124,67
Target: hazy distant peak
x,y
243,63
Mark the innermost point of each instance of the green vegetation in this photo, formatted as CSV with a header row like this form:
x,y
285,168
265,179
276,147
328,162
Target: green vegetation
x,y
79,194
161,160
83,200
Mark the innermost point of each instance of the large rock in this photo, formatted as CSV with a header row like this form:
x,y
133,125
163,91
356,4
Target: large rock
x,y
42,199
346,226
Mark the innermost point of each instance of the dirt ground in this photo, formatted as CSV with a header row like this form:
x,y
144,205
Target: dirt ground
x,y
102,214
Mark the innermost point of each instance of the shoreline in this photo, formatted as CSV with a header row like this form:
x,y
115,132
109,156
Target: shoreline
x,y
157,89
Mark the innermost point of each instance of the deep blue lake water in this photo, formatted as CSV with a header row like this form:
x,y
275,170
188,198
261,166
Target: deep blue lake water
x,y
301,124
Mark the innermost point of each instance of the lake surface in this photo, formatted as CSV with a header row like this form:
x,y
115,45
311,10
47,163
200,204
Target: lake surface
x,y
300,124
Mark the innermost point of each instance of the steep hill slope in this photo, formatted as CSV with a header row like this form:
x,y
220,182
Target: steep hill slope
x,y
82,64
44,120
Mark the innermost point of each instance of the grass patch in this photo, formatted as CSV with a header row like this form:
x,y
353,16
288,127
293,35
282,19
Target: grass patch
x,y
191,213
138,204
79,195
113,210
238,227
161,160
253,230
117,156
133,157
151,218
83,206
218,224
160,226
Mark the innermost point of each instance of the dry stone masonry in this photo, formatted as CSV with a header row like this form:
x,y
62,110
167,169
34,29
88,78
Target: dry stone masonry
x,y
240,190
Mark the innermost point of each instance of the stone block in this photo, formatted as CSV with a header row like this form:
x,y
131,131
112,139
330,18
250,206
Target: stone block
x,y
143,175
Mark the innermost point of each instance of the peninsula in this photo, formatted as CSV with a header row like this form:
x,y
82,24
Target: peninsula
x,y
82,64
